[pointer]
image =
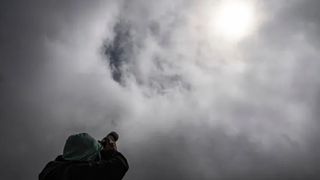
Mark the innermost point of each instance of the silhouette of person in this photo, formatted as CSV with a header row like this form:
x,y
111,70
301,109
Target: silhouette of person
x,y
84,158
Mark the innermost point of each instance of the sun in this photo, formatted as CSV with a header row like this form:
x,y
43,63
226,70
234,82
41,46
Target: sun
x,y
234,20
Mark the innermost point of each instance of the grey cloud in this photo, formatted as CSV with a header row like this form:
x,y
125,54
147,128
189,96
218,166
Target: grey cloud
x,y
187,106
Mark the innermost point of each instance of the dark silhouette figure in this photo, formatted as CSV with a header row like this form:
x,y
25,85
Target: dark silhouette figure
x,y
84,158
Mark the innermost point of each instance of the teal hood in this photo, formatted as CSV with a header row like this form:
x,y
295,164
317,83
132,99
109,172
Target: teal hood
x,y
81,147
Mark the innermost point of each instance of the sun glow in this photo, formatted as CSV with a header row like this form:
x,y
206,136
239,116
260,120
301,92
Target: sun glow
x,y
233,20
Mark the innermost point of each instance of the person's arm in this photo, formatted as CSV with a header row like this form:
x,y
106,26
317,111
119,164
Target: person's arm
x,y
112,169
112,161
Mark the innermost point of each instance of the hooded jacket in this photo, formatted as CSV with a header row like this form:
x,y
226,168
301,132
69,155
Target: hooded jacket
x,y
83,159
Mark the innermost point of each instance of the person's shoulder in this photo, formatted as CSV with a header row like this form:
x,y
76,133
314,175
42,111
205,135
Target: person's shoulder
x,y
52,169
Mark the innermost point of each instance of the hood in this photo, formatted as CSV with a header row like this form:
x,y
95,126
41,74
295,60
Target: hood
x,y
81,147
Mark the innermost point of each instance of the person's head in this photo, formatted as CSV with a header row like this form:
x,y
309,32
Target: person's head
x,y
81,147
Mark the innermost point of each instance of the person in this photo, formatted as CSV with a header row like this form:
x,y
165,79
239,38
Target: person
x,y
85,158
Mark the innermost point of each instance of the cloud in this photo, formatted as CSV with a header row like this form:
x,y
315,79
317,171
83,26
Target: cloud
x,y
187,104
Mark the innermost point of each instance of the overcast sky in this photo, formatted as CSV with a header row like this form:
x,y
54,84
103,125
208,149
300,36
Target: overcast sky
x,y
189,102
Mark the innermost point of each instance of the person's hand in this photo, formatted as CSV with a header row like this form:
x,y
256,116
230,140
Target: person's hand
x,y
110,145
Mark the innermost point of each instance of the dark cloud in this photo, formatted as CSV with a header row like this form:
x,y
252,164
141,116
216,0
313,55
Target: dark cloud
x,y
188,106
119,50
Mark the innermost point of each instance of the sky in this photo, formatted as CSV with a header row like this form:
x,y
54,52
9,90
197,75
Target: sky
x,y
195,89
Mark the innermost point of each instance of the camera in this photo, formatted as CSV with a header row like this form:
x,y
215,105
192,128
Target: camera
x,y
111,137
